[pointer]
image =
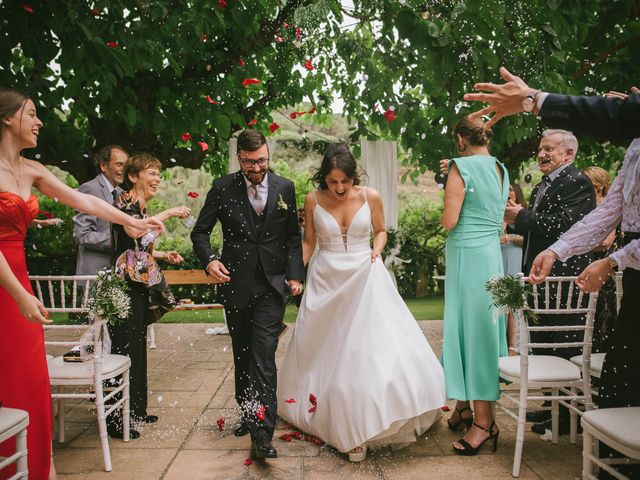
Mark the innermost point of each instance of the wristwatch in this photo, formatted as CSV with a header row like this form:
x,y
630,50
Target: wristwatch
x,y
613,265
529,102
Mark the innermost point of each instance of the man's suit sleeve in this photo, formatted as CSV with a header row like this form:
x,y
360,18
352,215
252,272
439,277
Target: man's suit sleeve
x,y
576,200
86,231
603,117
295,268
201,233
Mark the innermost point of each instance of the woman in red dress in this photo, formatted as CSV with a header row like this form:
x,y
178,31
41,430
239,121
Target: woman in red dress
x,y
24,380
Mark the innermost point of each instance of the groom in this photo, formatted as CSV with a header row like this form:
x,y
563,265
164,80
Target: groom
x,y
260,265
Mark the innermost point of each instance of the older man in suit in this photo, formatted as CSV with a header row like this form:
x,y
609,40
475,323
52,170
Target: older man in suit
x,y
563,197
92,234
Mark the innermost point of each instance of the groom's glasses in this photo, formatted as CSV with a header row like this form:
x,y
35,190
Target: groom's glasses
x,y
252,163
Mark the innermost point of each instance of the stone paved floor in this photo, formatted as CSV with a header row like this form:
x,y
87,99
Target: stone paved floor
x,y
191,386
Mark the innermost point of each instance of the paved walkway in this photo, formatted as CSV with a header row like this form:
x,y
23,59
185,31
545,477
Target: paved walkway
x,y
191,387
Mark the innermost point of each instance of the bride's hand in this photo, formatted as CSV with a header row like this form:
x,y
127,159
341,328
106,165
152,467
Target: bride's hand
x,y
375,255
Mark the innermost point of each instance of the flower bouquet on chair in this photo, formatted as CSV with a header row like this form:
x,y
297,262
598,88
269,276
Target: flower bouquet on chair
x,y
108,303
509,292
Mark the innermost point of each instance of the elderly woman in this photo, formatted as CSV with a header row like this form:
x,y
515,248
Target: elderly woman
x,y
135,258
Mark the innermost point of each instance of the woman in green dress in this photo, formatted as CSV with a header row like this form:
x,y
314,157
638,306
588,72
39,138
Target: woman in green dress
x,y
474,335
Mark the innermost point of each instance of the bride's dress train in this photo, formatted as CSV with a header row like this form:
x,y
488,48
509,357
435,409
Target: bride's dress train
x,y
357,349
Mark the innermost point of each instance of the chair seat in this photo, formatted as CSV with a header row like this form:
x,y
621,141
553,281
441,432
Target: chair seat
x,y
111,366
597,359
12,421
620,424
542,368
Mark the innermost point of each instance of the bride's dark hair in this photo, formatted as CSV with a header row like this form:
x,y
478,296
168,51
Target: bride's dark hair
x,y
337,155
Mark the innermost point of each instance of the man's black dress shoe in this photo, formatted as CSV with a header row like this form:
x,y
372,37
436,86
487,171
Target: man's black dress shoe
x,y
563,427
133,434
148,419
539,416
263,449
241,428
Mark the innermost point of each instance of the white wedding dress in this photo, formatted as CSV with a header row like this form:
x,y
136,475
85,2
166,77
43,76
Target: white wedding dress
x,y
357,348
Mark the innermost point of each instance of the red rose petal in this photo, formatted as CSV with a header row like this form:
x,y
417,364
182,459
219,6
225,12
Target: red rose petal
x,y
27,8
308,65
279,39
260,413
112,44
209,99
297,434
298,33
274,126
47,215
193,194
95,11
185,136
313,409
222,3
248,461
445,408
312,399
203,38
290,400
203,146
286,437
312,110
241,62
285,25
252,122
220,421
250,81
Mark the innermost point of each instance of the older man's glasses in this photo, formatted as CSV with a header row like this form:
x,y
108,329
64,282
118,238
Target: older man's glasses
x,y
248,163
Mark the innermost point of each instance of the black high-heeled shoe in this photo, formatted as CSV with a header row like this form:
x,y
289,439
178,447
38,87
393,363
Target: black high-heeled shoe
x,y
455,426
470,451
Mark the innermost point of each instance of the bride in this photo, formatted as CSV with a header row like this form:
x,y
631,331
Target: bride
x,y
358,371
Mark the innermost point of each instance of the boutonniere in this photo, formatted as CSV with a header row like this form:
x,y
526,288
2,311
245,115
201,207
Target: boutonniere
x,y
282,205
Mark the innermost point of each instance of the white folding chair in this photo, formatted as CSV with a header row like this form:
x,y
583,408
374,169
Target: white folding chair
x,y
617,428
85,378
13,423
597,359
540,373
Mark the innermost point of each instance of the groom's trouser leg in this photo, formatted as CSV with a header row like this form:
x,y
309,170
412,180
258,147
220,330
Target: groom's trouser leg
x,y
267,321
239,323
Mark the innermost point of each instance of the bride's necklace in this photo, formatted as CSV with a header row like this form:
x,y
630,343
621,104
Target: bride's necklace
x,y
11,170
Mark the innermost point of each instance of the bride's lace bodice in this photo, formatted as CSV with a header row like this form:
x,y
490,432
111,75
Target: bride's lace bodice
x,y
357,238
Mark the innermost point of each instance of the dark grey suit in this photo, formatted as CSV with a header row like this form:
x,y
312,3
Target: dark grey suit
x,y
92,234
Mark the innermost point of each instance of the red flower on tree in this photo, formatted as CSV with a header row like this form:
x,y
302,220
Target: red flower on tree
x,y
203,38
250,81
112,44
222,3
203,146
308,65
194,195
95,11
274,126
279,39
185,136
241,62
27,8
389,115
285,25
252,122
298,33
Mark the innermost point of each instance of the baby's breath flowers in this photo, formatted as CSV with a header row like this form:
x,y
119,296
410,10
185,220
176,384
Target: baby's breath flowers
x,y
108,299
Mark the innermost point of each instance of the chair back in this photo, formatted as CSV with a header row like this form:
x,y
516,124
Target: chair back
x,y
62,293
559,296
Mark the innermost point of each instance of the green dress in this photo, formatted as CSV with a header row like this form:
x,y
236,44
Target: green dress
x,y
474,333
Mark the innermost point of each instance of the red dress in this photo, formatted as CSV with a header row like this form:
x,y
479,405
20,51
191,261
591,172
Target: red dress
x,y
24,379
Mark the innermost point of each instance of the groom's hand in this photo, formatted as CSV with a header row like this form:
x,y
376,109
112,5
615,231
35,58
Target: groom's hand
x,y
295,286
218,272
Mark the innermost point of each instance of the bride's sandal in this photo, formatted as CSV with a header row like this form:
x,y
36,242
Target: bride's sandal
x,y
358,454
455,425
469,451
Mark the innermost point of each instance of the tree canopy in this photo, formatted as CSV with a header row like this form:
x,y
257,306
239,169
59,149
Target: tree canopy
x,y
143,74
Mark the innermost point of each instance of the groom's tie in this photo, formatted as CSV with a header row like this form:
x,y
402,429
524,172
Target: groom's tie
x,y
257,197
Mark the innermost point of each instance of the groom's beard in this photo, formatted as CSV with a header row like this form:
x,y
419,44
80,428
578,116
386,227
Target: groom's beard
x,y
254,180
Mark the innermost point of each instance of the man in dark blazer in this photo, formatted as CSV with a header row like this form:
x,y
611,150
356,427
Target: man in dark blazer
x,y
562,198
260,266
92,234
606,117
